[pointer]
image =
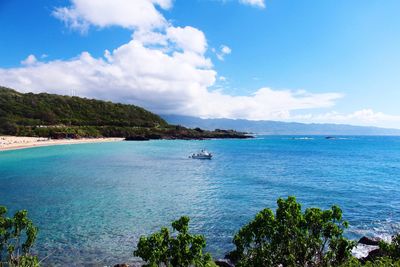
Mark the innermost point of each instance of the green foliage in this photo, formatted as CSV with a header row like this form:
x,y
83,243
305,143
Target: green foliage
x,y
183,250
391,250
26,261
293,238
17,235
19,110
381,262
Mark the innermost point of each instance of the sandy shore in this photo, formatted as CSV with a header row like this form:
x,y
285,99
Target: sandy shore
x,y
19,142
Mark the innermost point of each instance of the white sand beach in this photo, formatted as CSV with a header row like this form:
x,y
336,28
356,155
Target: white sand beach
x,y
20,142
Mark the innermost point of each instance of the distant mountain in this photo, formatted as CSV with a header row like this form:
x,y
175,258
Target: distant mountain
x,y
277,127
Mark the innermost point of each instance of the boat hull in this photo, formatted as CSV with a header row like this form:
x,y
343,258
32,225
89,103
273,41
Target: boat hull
x,y
201,157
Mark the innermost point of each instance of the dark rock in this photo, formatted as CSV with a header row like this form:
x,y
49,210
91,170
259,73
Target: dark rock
x,y
121,265
224,263
136,138
369,241
153,136
372,255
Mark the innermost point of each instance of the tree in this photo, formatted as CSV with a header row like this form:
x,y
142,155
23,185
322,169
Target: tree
x,y
293,238
185,249
391,250
17,235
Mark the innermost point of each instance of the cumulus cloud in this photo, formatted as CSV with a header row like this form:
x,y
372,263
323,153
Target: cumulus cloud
x,y
175,83
256,3
137,14
188,39
163,69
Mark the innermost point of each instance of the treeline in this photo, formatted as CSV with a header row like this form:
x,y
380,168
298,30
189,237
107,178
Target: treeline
x,y
131,133
288,238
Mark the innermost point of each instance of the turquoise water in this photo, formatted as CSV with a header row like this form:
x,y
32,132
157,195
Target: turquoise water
x,y
92,201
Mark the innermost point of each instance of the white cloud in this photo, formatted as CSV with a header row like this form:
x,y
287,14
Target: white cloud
x,y
223,51
256,3
364,117
164,82
30,60
188,39
264,104
136,14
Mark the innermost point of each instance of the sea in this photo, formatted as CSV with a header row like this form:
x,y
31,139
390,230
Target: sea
x,y
92,202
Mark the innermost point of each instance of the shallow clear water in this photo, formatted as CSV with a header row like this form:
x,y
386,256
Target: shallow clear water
x,y
92,201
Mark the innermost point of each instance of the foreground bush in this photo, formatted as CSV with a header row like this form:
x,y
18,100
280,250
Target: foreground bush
x,y
287,238
391,250
380,262
17,235
293,238
162,249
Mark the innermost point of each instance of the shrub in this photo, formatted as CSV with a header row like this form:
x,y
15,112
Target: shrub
x,y
17,235
381,262
162,249
391,250
293,238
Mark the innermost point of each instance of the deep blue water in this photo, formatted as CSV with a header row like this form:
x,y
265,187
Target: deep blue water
x,y
92,201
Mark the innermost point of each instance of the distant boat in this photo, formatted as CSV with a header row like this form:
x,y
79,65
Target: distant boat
x,y
203,154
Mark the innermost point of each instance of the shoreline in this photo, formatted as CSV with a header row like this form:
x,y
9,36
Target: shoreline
x,y
8,143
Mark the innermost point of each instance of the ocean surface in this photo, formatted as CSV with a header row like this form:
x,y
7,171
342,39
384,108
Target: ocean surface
x,y
93,201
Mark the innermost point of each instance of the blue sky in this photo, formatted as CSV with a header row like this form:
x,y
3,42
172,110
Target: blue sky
x,y
310,61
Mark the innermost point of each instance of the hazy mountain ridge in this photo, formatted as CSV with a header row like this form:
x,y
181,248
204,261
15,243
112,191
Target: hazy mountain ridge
x,y
278,127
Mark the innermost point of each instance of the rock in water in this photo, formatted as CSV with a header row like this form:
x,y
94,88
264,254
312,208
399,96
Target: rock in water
x,y
224,263
369,241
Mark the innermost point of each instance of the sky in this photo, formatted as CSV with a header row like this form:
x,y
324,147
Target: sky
x,y
332,61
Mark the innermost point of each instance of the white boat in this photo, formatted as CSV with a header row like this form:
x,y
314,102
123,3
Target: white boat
x,y
203,154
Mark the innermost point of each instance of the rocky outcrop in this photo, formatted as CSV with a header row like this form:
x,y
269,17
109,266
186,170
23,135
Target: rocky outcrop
x,y
373,248
224,263
136,138
181,133
369,241
372,255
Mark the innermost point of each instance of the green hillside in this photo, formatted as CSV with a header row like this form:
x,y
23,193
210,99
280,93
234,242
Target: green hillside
x,y
56,116
48,109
